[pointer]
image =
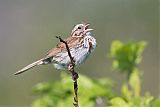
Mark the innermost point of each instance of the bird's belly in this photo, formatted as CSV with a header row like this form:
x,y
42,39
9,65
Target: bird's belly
x,y
62,59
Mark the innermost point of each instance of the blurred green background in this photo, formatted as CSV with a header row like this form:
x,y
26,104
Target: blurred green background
x,y
28,29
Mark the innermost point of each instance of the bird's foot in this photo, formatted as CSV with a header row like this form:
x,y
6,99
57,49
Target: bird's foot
x,y
75,76
70,67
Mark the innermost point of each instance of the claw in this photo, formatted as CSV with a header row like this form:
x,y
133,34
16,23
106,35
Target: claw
x,y
70,67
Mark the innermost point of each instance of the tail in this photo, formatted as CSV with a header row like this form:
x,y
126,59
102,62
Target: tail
x,y
39,62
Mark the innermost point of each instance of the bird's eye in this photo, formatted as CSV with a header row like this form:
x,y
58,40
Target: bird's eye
x,y
79,27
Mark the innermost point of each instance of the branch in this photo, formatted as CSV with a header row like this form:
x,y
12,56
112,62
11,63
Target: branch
x,y
74,74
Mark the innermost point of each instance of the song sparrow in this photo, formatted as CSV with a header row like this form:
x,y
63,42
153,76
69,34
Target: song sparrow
x,y
81,43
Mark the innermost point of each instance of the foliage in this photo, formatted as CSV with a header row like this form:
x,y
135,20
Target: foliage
x,y
156,103
126,55
59,93
125,58
131,97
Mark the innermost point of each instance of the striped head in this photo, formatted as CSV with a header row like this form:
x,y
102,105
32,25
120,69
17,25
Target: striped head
x,y
80,30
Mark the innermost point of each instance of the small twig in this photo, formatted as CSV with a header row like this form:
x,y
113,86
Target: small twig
x,y
74,74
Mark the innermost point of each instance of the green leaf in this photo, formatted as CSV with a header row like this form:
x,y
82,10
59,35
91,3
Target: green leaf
x,y
127,94
60,93
134,82
116,45
126,55
118,102
156,103
147,100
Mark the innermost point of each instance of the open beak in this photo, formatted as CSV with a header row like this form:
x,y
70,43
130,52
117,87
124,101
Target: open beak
x,y
86,28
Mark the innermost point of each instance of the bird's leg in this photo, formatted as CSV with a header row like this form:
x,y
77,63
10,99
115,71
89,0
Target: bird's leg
x,y
75,76
71,69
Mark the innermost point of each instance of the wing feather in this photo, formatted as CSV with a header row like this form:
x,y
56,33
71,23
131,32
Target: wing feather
x,y
71,41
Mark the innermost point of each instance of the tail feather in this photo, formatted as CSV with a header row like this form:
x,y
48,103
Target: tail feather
x,y
39,62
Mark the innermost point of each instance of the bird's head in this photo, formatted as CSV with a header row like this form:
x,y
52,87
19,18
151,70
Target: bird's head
x,y
80,30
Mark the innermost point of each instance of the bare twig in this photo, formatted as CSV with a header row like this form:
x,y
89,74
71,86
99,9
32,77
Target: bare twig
x,y
74,74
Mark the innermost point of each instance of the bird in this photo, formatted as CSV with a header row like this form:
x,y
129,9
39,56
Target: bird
x,y
81,44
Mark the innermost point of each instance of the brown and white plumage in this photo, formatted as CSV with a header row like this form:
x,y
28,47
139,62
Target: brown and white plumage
x,y
80,43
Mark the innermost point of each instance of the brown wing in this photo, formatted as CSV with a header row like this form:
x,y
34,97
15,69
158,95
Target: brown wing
x,y
71,41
